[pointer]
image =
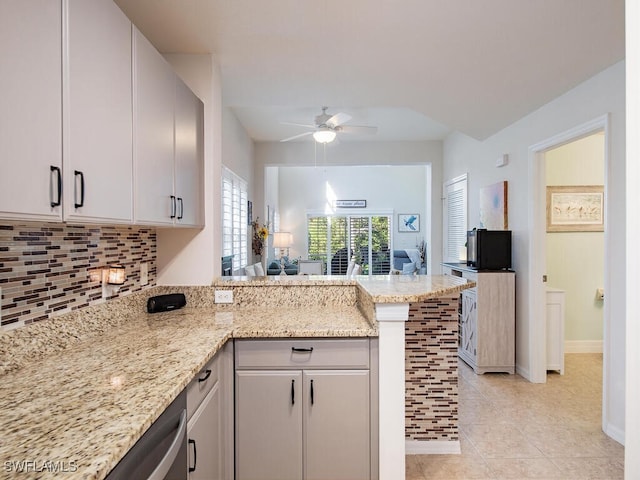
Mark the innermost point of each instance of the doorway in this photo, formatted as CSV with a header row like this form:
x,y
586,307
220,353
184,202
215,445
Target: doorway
x,y
537,287
575,252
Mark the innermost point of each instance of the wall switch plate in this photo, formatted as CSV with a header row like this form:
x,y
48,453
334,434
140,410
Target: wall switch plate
x,y
144,274
223,296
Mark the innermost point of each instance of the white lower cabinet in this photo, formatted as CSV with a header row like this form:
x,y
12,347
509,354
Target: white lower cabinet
x,y
268,425
336,424
297,420
208,409
555,329
205,438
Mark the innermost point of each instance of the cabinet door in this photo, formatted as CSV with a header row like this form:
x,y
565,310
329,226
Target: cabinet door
x,y
468,324
336,424
189,156
97,113
555,331
30,109
205,438
268,425
154,98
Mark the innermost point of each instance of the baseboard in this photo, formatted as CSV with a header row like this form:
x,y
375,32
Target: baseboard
x,y
614,432
431,447
583,346
523,372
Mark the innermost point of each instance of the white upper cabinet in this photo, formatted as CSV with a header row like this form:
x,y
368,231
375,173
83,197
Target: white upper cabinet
x,y
168,139
73,83
189,138
30,109
154,98
97,113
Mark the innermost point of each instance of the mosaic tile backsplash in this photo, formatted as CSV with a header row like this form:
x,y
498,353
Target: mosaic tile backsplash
x,y
431,370
45,267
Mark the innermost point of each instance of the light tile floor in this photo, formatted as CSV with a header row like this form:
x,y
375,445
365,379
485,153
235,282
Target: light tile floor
x,y
513,429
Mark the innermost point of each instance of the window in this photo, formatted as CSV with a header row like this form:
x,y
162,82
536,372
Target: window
x,y
234,218
454,218
335,239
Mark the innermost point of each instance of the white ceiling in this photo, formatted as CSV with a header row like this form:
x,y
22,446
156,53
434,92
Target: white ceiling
x,y
417,69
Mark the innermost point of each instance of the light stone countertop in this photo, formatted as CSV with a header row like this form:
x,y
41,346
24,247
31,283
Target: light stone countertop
x,y
380,288
88,404
102,376
411,288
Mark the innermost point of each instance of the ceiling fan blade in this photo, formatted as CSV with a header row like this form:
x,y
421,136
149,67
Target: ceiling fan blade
x,y
358,129
296,136
298,124
338,119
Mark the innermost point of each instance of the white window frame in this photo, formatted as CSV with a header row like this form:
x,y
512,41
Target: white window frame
x,y
349,213
235,229
454,218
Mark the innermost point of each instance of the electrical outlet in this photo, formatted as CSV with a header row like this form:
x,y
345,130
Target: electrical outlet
x,y
144,274
223,296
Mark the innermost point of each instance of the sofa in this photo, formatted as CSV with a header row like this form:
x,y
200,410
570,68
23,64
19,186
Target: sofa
x,y
402,257
273,268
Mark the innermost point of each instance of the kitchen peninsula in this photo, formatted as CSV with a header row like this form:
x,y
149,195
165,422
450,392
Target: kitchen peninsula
x,y
82,388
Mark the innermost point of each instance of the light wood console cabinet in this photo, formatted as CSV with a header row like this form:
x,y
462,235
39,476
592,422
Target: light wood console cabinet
x,y
486,328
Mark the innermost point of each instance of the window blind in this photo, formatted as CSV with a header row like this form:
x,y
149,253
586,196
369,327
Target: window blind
x,y
335,239
455,218
234,218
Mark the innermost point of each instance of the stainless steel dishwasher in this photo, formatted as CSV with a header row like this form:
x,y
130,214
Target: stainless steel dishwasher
x,y
161,453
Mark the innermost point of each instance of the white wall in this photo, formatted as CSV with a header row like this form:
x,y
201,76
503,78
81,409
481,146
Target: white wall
x,y
363,153
603,93
386,189
237,148
575,260
632,440
188,256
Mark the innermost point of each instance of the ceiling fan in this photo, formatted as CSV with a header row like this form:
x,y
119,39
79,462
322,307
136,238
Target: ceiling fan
x,y
327,126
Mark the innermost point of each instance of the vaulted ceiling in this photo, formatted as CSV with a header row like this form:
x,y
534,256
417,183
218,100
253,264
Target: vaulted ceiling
x,y
417,69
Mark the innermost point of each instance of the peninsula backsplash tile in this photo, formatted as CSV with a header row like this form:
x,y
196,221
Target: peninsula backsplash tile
x,y
431,369
44,267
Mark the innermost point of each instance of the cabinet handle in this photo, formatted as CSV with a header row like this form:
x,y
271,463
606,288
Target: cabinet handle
x,y
77,173
293,392
311,392
59,186
181,208
195,456
301,350
207,374
173,206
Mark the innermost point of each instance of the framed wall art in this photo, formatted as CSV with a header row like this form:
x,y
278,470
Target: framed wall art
x,y
494,207
408,222
576,208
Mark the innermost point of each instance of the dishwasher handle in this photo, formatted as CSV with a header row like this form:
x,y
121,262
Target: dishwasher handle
x,y
164,465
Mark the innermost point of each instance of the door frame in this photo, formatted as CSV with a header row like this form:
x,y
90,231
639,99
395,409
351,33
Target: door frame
x,y
537,235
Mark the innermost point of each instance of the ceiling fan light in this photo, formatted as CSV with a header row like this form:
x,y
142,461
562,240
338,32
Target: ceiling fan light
x,y
324,135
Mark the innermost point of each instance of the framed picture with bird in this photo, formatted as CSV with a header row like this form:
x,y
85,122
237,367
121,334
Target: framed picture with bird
x,y
408,222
